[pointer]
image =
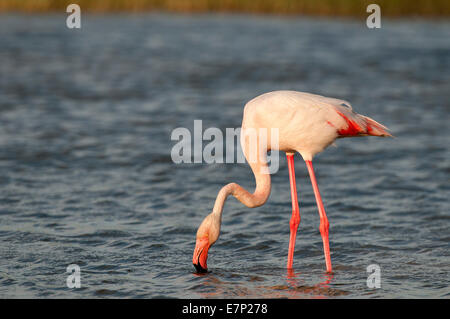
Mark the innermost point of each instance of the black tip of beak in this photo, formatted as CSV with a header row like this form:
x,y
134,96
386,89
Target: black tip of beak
x,y
200,269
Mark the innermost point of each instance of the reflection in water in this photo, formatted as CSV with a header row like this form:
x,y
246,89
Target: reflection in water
x,y
213,286
297,288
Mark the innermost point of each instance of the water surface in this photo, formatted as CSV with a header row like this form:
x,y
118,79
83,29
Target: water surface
x,y
86,175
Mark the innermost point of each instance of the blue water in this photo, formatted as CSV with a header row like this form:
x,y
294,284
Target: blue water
x,y
86,175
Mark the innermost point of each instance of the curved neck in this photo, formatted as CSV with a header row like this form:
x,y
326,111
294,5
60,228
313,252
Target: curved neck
x,y
255,199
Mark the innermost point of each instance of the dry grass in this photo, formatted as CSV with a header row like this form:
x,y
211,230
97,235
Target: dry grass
x,y
426,8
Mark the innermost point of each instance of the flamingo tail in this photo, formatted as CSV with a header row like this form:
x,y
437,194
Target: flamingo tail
x,y
359,125
374,128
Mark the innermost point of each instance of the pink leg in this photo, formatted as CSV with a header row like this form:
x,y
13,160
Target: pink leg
x,y
324,225
295,219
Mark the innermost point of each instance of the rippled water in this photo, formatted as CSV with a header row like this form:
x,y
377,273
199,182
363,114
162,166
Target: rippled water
x,y
86,175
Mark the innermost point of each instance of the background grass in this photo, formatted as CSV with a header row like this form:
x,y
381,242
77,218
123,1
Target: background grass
x,y
426,8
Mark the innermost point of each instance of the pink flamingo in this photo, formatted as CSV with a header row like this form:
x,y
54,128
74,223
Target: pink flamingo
x,y
307,124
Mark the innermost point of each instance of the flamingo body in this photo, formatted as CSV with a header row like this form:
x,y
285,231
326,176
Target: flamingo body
x,y
307,123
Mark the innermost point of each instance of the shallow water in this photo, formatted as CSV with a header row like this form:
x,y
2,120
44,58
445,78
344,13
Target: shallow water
x,y
86,175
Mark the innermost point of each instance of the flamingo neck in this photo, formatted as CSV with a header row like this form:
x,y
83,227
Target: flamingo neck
x,y
255,199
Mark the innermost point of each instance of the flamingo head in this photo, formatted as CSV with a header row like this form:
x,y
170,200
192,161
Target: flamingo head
x,y
207,235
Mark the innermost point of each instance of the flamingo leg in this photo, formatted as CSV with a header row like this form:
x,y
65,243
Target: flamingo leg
x,y
324,225
295,219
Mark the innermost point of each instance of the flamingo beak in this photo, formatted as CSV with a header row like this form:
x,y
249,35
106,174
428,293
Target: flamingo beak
x,y
201,255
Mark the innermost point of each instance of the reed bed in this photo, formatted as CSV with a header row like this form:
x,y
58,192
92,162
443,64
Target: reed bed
x,y
396,8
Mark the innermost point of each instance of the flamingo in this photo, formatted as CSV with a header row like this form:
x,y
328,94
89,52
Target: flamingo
x,y
307,123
